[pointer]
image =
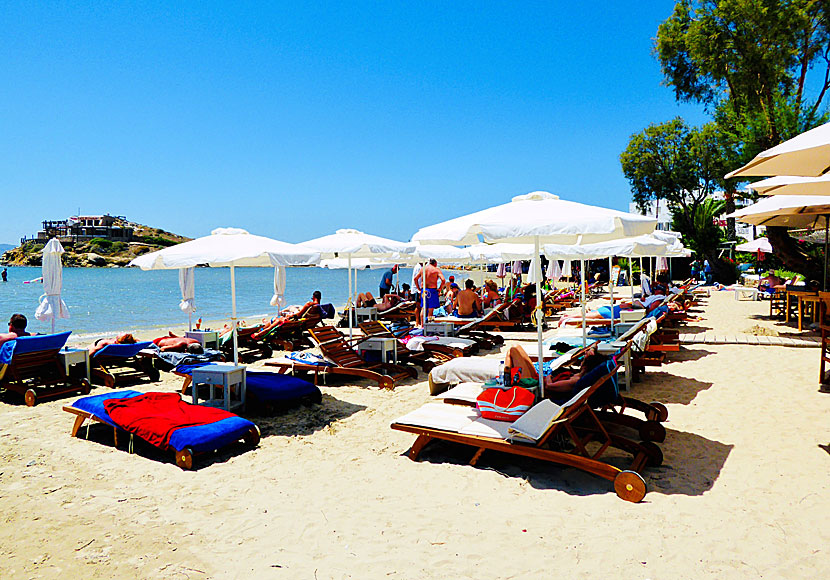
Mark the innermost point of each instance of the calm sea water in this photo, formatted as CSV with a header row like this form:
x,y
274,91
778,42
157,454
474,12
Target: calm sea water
x,y
103,300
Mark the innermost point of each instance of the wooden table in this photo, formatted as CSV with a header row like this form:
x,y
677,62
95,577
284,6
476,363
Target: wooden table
x,y
803,302
797,295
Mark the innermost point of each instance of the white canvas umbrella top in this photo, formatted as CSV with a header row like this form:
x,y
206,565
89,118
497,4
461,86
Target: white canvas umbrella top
x,y
441,253
500,253
535,214
792,185
357,244
228,247
357,263
636,246
807,154
794,211
761,244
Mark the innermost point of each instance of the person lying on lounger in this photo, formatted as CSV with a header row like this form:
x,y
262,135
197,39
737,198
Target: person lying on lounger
x,y
292,313
173,343
605,312
558,386
102,342
17,327
366,300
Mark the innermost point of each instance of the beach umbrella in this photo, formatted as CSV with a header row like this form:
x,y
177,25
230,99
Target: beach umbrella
x,y
232,248
188,288
792,185
501,270
758,245
538,218
554,270
807,154
51,305
350,244
278,299
792,211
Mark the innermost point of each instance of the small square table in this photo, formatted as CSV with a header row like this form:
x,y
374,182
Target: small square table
x,y
381,344
225,376
207,338
72,356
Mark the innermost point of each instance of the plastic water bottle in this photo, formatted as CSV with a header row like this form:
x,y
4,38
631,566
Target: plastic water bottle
x,y
500,377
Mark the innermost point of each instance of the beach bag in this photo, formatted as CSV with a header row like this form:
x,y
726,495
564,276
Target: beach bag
x,y
504,404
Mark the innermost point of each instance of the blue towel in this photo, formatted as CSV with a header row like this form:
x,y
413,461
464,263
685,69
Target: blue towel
x,y
94,404
122,350
277,388
35,343
309,358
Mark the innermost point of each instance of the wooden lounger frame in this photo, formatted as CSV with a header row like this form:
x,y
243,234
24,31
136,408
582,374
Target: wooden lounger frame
x,y
112,371
581,425
42,371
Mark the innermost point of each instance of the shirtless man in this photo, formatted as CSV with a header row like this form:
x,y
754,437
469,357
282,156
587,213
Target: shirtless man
x,y
467,303
433,273
17,327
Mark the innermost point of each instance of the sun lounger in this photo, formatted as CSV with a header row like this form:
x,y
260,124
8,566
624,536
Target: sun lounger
x,y
117,364
344,361
529,436
30,366
165,421
443,348
249,347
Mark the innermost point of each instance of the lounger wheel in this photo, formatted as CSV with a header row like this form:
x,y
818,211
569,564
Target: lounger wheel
x,y
86,387
652,431
252,437
498,339
109,381
266,351
653,452
662,411
184,458
153,374
630,486
30,397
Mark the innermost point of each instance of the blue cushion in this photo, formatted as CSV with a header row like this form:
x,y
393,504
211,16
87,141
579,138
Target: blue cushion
x,y
122,350
94,405
36,343
274,387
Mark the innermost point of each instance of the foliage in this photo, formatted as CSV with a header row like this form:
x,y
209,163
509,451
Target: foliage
x,y
155,240
101,243
119,247
700,230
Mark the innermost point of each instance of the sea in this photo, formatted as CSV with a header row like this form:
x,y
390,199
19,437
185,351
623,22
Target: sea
x,y
103,301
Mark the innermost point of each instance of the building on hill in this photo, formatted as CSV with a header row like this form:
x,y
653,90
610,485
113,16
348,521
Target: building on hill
x,y
83,228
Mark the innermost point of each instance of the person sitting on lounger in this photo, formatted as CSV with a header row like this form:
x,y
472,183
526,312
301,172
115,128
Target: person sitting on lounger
x,y
604,313
292,313
467,304
490,294
102,342
559,386
769,282
17,328
365,300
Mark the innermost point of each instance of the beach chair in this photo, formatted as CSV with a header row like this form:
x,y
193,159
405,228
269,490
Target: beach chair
x,y
165,421
404,311
450,346
426,358
118,364
343,360
477,328
529,436
31,367
249,347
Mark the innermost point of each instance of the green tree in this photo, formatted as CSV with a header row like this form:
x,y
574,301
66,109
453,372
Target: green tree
x,y
684,166
761,67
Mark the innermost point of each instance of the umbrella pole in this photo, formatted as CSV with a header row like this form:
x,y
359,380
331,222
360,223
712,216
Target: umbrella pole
x,y
826,223
539,312
611,293
582,298
351,295
233,317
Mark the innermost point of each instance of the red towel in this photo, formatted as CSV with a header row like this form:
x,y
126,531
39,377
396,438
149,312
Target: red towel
x,y
154,416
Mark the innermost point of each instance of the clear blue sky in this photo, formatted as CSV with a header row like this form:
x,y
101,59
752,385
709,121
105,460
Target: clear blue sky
x,y
293,119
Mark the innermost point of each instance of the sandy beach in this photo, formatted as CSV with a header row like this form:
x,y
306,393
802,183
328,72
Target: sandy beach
x,y
329,492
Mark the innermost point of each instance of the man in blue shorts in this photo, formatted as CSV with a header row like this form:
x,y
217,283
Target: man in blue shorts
x,y
433,274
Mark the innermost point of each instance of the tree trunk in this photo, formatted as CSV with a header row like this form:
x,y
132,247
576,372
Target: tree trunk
x,y
730,207
793,258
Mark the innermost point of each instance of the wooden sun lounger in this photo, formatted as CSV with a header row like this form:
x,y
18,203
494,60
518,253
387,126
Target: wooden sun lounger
x,y
39,374
427,359
346,361
578,423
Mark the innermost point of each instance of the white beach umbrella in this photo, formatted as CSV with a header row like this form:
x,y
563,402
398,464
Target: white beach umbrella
x,y
350,244
278,299
51,305
566,269
538,217
500,253
229,247
792,185
792,211
188,288
757,245
554,270
807,154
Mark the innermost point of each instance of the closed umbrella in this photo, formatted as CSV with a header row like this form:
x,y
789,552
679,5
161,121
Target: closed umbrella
x,y
51,305
278,299
229,247
554,270
538,217
188,288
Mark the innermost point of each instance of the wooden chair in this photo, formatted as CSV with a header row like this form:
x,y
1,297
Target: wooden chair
x,y
345,361
34,369
427,359
250,347
576,422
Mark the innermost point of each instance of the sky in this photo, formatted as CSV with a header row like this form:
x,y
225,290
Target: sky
x,y
293,120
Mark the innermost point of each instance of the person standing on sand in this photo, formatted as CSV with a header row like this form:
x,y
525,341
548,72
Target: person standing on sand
x,y
432,273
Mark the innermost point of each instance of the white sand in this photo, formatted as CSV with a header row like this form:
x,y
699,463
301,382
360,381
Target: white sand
x,y
743,492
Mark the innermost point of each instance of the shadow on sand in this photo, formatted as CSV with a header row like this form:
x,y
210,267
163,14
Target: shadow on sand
x,y
691,466
670,389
